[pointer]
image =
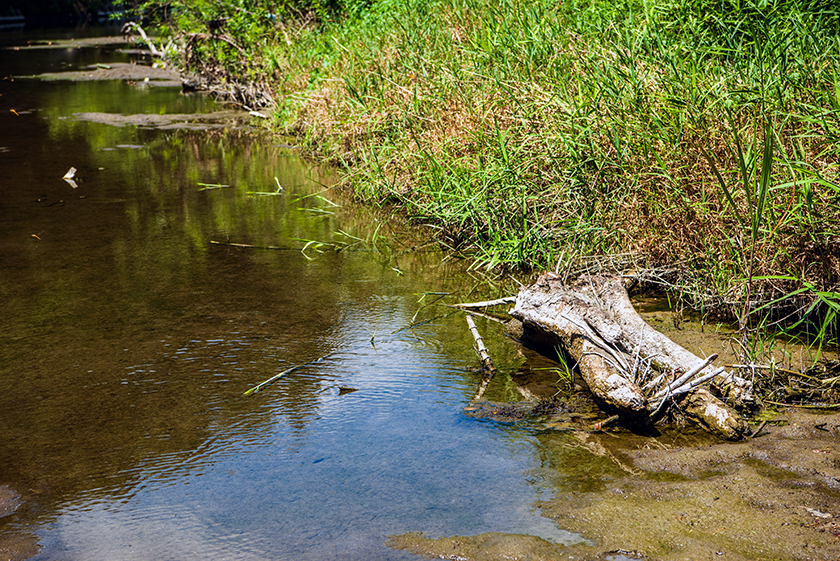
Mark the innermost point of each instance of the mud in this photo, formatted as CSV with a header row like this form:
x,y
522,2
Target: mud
x,y
776,496
493,546
137,73
192,121
73,43
16,545
9,501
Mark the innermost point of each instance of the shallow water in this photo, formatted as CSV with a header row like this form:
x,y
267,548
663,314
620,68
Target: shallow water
x,y
128,337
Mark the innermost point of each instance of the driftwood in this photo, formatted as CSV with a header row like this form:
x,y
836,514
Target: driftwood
x,y
486,361
127,29
630,368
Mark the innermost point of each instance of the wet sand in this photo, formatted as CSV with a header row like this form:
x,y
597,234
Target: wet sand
x,y
776,496
14,546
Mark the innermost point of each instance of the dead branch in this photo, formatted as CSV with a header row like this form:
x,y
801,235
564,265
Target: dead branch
x,y
486,361
129,26
487,303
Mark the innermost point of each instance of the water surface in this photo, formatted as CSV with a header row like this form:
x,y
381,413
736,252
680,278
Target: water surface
x,y
131,327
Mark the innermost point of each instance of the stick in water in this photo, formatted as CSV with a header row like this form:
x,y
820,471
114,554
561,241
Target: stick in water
x,y
487,303
486,362
273,379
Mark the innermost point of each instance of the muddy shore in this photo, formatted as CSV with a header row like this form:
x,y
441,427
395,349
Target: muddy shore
x,y
776,496
680,495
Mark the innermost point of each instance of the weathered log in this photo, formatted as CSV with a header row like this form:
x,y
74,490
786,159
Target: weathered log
x,y
609,292
595,324
714,415
551,316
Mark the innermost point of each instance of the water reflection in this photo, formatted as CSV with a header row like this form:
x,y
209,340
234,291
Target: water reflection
x,y
128,338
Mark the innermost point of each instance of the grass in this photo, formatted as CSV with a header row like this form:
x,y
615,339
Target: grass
x,y
698,137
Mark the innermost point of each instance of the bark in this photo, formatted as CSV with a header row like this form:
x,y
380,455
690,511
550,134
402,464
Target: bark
x,y
701,406
595,324
552,316
609,292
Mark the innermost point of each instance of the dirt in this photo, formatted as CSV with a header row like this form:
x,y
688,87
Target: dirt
x,y
15,545
74,43
136,73
195,121
9,501
776,496
143,75
146,74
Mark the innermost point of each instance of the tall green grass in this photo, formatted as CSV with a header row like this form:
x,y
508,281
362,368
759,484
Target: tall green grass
x,y
698,135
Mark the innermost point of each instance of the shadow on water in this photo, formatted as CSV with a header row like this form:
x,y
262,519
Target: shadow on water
x,y
129,336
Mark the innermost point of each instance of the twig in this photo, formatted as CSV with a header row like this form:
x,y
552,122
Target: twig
x,y
481,314
608,421
653,383
486,361
702,379
758,430
679,382
487,303
685,388
273,379
767,367
132,25
424,322
804,406
598,341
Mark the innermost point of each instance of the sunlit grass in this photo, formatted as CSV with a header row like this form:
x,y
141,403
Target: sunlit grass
x,y
698,136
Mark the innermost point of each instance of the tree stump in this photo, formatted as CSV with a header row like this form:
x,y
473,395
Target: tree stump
x,y
595,324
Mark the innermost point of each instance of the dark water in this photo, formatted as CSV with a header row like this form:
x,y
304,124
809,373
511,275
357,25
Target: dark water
x,y
127,339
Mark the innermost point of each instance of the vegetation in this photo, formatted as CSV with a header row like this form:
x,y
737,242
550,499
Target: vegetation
x,y
693,143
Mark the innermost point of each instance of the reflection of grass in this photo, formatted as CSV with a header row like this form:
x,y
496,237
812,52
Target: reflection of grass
x,y
279,191
346,242
532,133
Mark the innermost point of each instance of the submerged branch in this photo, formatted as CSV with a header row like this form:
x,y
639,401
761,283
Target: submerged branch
x,y
273,379
486,361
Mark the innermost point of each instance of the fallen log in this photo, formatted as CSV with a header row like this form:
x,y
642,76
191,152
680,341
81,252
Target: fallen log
x,y
609,292
615,351
552,315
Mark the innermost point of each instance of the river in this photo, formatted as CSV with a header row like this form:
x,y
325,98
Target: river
x,y
189,257
131,328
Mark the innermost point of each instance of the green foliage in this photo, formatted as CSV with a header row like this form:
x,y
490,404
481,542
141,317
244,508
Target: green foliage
x,y
539,134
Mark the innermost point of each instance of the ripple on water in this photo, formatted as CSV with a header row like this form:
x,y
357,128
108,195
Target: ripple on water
x,y
99,531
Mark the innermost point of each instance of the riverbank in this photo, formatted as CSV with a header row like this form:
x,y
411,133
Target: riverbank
x,y
692,145
774,497
144,301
